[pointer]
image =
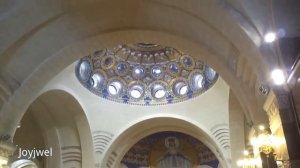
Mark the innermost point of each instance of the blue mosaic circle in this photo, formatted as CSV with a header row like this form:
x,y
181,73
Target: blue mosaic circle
x,y
173,68
157,71
210,73
84,69
108,62
138,72
122,68
187,62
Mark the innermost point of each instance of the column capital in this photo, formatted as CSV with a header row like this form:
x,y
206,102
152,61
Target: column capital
x,y
7,148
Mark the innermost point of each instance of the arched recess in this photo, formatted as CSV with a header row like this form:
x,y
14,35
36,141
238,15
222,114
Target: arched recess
x,y
74,51
63,127
200,28
130,136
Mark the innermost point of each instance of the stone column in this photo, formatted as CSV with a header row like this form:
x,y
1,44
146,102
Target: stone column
x,y
290,126
237,131
7,149
268,161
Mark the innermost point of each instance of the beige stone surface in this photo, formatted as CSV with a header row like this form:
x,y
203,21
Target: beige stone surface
x,y
41,40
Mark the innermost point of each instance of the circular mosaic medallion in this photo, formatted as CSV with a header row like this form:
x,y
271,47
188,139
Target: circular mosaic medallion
x,y
98,80
196,80
180,87
84,69
136,90
159,89
122,68
173,69
116,87
108,62
138,72
157,72
187,62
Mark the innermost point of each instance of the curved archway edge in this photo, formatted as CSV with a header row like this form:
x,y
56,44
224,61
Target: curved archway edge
x,y
31,88
146,127
64,125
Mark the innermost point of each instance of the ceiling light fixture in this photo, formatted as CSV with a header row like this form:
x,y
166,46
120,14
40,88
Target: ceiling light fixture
x,y
278,77
270,37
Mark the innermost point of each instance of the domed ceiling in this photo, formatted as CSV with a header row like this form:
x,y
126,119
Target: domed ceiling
x,y
144,74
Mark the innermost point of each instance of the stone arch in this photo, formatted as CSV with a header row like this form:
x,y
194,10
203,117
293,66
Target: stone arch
x,y
221,40
64,128
139,130
11,115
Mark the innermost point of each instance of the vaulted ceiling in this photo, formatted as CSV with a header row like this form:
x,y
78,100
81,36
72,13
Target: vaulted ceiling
x,y
39,39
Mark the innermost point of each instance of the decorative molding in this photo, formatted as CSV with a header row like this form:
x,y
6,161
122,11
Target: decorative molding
x,y
233,58
111,159
71,154
7,87
6,149
5,138
101,140
222,135
271,107
273,111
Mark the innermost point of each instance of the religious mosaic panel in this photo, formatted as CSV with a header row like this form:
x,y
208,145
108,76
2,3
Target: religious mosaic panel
x,y
169,149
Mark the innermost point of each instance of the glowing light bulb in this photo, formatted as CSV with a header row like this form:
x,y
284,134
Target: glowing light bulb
x,y
261,127
270,37
278,77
